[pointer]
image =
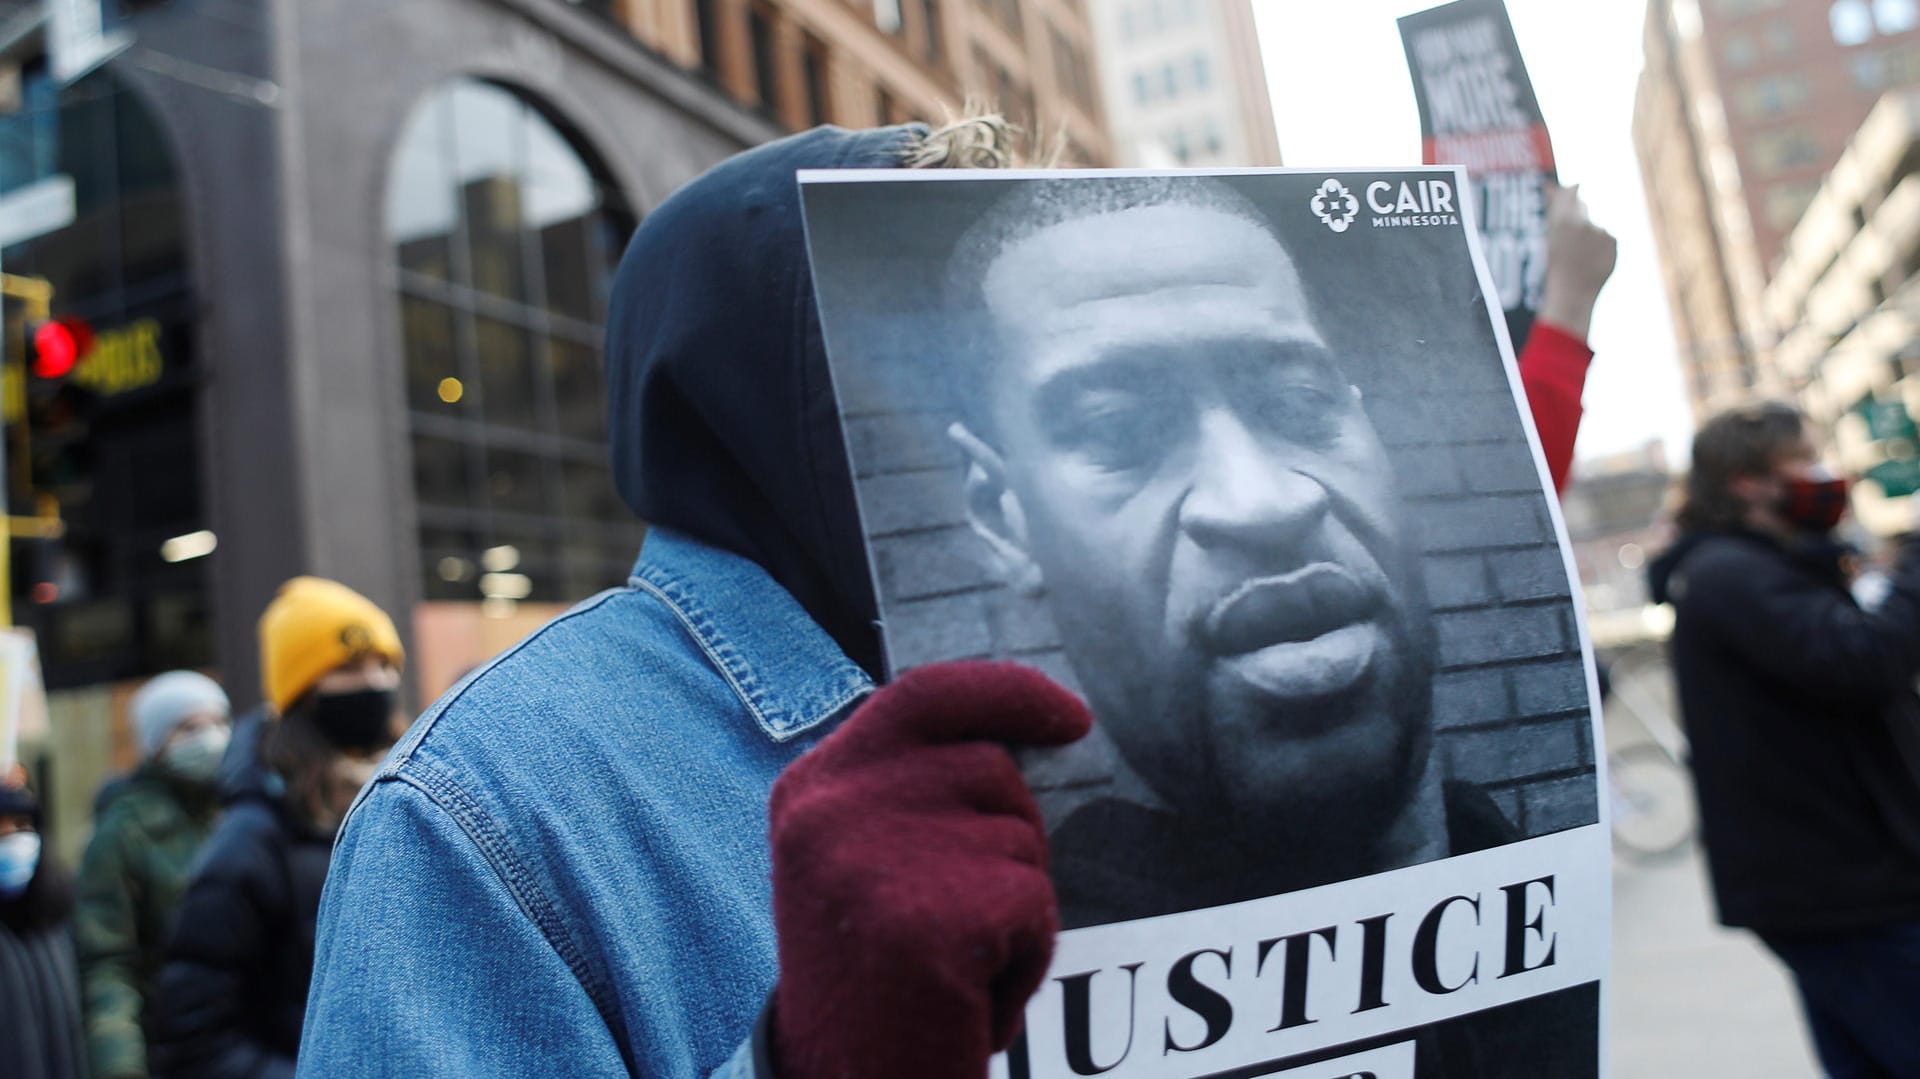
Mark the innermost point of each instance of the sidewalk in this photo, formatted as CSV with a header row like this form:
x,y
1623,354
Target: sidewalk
x,y
1691,998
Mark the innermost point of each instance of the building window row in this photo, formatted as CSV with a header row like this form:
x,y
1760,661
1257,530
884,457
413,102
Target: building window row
x,y
786,73
1855,22
1157,16
1773,96
1776,41
1875,71
1190,144
1736,9
1173,79
1785,203
1783,151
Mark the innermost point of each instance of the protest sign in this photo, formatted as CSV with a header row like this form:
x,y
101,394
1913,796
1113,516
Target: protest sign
x,y
1241,458
1478,109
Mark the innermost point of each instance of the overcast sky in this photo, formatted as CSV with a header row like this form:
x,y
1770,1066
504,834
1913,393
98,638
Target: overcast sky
x,y
1341,97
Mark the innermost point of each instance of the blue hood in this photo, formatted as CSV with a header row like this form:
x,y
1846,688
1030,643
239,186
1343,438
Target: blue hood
x,y
721,409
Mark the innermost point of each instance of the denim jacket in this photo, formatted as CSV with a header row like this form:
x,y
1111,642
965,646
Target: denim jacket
x,y
563,868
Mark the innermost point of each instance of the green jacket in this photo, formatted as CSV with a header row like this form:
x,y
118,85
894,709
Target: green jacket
x,y
147,830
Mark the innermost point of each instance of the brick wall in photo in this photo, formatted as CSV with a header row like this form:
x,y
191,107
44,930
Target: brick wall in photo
x,y
1510,693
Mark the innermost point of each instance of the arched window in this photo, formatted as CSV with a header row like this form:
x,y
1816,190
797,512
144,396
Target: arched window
x,y
506,236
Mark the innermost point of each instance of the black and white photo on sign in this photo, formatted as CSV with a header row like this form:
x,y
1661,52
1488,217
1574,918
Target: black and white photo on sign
x,y
1239,459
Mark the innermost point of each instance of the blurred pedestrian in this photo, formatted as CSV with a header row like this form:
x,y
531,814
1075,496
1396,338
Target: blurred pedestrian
x,y
40,1028
1809,813
147,829
233,991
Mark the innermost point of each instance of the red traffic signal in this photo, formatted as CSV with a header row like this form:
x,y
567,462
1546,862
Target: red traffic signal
x,y
59,344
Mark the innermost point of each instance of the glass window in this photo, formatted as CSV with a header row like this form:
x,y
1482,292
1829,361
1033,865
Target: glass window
x,y
1781,41
589,492
434,382
1773,96
1740,52
451,559
766,74
1870,70
506,237
1202,72
708,14
1782,151
509,391
1784,203
30,135
517,484
422,199
1895,16
440,472
1851,21
1142,88
577,391
817,72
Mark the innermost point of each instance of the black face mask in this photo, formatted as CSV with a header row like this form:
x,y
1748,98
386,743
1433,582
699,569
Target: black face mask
x,y
357,720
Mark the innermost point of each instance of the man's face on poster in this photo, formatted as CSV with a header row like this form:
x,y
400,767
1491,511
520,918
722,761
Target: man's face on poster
x,y
1174,457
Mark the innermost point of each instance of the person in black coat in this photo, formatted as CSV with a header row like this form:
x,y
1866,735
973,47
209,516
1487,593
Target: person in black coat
x,y
1795,697
40,1028
231,997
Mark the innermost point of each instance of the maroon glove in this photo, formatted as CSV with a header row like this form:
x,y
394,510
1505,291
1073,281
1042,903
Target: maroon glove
x,y
910,888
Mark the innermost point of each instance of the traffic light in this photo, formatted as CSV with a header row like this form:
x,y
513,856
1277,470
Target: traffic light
x,y
59,344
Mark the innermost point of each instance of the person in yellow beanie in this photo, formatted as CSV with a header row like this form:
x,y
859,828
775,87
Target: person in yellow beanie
x,y
232,994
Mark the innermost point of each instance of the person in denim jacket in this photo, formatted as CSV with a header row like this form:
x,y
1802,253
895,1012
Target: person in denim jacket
x,y
566,867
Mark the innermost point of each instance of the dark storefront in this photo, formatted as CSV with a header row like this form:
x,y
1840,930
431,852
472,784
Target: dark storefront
x,y
347,269
110,448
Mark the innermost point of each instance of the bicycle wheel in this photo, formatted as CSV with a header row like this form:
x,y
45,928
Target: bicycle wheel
x,y
1652,801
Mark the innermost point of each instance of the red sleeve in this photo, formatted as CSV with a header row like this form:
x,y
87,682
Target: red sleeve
x,y
1553,370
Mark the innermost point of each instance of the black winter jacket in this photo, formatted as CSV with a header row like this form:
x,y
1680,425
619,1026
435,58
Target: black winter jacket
x,y
232,994
1787,687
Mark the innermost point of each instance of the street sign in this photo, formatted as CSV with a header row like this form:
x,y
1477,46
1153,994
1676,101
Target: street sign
x,y
36,209
1896,479
1887,419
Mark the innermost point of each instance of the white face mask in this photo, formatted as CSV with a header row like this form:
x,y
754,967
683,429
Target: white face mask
x,y
19,857
197,756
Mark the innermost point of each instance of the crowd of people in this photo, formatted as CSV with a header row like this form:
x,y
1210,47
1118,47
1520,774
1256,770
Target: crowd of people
x,y
183,946
626,845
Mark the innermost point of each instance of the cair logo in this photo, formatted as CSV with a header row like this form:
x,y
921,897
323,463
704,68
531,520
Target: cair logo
x,y
1412,203
1335,206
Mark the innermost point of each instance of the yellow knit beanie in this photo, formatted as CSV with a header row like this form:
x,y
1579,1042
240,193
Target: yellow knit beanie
x,y
313,626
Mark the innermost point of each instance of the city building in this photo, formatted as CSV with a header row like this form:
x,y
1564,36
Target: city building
x,y
1615,514
1846,302
1742,108
347,267
1184,83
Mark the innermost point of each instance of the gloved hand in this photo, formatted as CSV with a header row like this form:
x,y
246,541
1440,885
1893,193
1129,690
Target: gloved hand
x,y
910,889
